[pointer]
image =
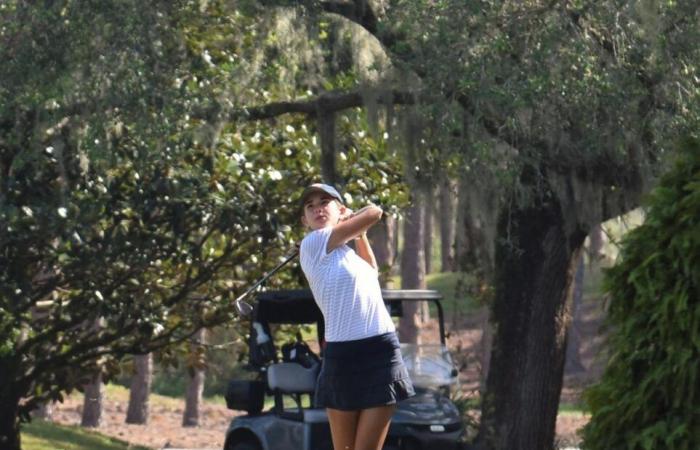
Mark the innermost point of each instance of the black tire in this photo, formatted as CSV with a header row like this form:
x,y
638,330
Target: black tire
x,y
245,445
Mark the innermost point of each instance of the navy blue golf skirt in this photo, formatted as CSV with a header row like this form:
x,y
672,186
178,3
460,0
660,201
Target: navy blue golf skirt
x,y
362,374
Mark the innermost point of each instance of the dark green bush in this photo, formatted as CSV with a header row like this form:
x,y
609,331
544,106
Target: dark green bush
x,y
649,396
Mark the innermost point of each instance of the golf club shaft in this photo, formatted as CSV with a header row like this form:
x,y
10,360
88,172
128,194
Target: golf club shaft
x,y
267,275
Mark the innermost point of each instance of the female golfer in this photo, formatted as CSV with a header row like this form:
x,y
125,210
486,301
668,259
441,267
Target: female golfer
x,y
362,375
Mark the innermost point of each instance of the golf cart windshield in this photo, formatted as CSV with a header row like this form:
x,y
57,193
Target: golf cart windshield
x,y
430,366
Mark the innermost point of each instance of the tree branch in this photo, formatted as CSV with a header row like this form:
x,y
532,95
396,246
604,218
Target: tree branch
x,y
358,11
325,103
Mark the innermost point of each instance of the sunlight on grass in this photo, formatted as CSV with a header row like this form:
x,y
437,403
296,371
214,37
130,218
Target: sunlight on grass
x,y
119,393
572,409
41,435
216,400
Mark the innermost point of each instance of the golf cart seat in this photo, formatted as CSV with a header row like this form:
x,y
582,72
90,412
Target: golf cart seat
x,y
292,378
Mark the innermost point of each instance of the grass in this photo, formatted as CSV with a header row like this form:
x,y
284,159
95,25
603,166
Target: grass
x,y
216,399
170,399
288,402
121,394
41,435
573,409
452,287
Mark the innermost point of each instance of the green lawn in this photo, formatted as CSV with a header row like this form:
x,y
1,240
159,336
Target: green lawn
x,y
41,435
572,409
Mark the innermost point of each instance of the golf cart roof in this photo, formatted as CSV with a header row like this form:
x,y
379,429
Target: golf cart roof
x,y
287,306
298,306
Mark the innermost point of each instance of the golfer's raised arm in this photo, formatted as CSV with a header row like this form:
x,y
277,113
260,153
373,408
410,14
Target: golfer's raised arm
x,y
353,225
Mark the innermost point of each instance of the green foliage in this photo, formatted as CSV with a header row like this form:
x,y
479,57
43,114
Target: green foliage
x,y
467,404
133,210
565,86
115,205
648,397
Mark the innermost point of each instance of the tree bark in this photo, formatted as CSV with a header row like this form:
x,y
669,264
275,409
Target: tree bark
x,y
138,410
428,205
93,401
328,102
485,346
395,244
381,237
573,346
196,375
428,231
326,131
535,262
412,267
447,226
473,251
9,421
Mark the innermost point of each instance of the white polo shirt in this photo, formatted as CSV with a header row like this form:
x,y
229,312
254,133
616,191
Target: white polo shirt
x,y
346,289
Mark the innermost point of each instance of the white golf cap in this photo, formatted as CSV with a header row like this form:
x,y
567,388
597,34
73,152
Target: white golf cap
x,y
320,187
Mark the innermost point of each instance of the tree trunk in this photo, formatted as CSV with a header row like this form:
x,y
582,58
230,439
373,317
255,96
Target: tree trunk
x,y
485,348
93,401
412,267
447,226
381,237
138,410
463,230
473,243
9,420
428,231
573,340
44,411
598,240
196,375
535,262
395,244
326,131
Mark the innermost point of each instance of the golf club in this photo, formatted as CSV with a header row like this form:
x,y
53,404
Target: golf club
x,y
244,308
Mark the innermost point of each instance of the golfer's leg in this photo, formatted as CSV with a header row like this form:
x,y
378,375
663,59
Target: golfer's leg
x,y
372,427
343,428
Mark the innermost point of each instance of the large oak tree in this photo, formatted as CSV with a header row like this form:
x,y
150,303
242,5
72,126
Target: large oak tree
x,y
559,115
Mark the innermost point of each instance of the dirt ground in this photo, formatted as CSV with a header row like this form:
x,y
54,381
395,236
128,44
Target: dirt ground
x,y
165,430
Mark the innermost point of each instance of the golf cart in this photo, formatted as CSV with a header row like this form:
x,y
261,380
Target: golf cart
x,y
427,421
